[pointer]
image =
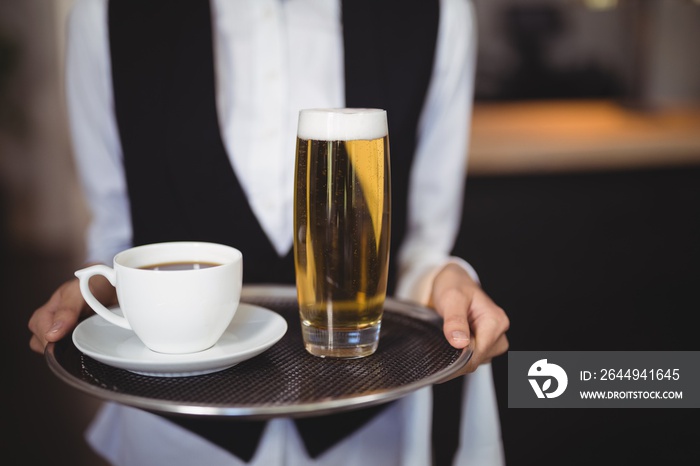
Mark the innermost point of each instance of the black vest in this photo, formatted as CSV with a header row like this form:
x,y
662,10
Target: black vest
x,y
180,182
179,178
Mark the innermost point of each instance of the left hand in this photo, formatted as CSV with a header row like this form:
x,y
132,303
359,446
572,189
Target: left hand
x,y
469,315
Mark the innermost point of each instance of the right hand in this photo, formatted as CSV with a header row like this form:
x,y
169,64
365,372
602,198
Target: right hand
x,y
60,314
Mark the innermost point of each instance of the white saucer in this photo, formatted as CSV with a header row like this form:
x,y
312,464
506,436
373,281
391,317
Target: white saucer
x,y
253,330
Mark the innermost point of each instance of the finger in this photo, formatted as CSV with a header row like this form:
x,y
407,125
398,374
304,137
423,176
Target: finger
x,y
48,325
37,345
453,304
39,324
489,336
55,319
65,320
480,356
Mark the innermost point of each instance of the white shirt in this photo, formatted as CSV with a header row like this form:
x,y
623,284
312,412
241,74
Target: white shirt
x,y
273,58
288,55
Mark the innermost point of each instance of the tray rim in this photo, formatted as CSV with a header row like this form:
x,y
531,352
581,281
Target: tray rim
x,y
316,408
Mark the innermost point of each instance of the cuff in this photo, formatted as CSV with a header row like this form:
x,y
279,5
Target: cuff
x,y
416,284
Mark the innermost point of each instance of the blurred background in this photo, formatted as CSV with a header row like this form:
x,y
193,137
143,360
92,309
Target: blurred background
x,y
581,214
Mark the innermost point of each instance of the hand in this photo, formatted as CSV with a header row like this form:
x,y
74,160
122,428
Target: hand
x,y
469,315
59,316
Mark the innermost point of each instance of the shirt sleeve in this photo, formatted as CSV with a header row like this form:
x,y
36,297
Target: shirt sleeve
x,y
93,129
439,169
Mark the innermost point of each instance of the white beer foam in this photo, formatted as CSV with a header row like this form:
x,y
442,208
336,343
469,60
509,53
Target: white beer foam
x,y
342,124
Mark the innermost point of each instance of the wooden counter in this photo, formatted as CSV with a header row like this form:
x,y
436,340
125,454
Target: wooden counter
x,y
556,136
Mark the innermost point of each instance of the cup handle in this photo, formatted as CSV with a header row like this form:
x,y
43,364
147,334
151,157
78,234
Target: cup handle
x,y
84,278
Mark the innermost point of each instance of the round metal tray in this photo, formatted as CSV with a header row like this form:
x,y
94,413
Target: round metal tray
x,y
285,380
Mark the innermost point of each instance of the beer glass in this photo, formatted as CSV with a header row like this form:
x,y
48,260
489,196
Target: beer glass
x,y
342,208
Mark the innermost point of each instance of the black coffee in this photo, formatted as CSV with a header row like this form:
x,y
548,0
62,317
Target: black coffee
x,y
180,266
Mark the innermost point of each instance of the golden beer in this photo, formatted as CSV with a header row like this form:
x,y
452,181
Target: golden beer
x,y
342,207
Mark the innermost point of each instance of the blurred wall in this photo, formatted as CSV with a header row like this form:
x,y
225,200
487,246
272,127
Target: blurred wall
x,y
41,202
674,63
640,50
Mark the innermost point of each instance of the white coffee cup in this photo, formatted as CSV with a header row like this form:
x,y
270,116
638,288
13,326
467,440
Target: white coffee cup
x,y
172,311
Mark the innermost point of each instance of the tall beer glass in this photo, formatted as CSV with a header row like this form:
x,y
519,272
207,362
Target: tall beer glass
x,y
342,207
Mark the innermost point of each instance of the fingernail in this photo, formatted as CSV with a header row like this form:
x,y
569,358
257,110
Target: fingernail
x,y
55,327
458,335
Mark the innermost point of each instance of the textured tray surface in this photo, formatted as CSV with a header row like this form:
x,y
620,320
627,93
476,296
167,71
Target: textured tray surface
x,y
284,380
